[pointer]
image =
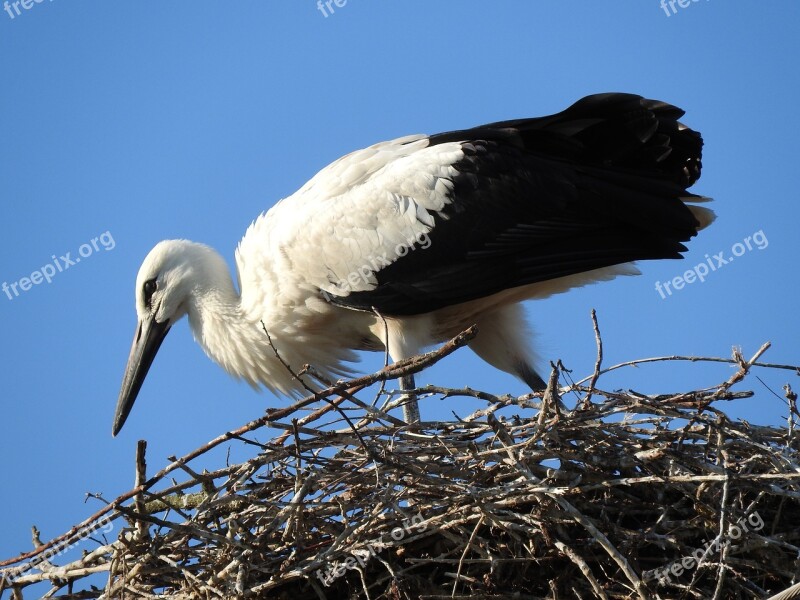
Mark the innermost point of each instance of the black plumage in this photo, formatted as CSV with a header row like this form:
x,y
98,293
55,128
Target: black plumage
x,y
596,185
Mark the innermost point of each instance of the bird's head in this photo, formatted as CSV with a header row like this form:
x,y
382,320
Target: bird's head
x,y
166,285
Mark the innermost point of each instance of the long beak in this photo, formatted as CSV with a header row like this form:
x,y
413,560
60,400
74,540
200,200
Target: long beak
x,y
146,342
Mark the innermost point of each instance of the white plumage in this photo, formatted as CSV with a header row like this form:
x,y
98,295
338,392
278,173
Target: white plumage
x,y
435,233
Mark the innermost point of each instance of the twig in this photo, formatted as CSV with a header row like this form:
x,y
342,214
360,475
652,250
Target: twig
x,y
138,500
598,362
641,361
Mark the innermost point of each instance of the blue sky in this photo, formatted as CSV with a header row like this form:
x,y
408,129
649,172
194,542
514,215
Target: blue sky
x,y
128,123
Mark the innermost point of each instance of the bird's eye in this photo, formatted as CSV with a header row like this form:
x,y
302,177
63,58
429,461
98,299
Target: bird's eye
x,y
149,289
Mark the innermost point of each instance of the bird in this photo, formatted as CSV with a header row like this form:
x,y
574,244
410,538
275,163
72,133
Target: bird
x,y
406,243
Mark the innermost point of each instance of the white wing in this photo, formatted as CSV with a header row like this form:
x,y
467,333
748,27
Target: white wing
x,y
357,215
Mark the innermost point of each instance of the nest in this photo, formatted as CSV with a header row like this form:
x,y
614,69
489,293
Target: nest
x,y
622,496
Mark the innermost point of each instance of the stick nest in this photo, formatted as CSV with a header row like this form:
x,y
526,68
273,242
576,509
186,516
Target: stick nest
x,y
623,496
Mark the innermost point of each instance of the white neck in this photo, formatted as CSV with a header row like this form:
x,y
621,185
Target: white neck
x,y
234,337
228,336
304,329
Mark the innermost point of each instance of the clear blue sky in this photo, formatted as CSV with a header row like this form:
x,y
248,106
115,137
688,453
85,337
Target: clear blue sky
x,y
162,120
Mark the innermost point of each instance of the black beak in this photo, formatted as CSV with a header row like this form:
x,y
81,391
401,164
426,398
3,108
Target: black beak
x,y
146,343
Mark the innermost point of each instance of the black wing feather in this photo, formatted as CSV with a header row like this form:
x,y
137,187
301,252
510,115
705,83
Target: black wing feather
x,y
596,185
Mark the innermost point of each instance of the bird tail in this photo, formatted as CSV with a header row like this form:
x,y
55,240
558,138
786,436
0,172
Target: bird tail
x,y
626,147
621,131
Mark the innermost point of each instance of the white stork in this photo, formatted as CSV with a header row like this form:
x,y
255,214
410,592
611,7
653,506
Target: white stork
x,y
408,242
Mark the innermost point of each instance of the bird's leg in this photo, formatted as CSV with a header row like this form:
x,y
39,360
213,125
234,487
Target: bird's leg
x,y
410,408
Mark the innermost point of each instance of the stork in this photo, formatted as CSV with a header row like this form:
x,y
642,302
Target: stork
x,y
408,242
